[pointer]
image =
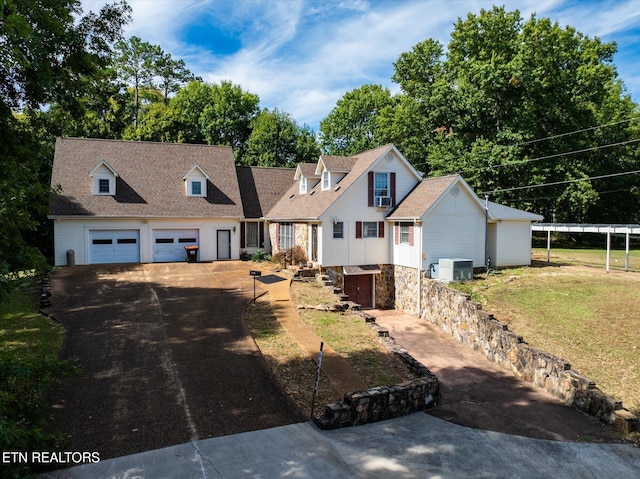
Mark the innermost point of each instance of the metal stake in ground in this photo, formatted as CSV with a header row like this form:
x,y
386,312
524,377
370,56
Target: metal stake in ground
x,y
254,273
315,386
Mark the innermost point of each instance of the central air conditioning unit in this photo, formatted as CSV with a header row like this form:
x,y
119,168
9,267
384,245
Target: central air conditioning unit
x,y
455,269
382,201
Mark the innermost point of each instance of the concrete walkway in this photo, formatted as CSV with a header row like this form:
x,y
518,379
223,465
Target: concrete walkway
x,y
337,369
415,446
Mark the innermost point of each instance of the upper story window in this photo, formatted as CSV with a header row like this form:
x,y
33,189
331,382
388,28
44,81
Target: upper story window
x,y
303,185
381,188
338,229
104,185
325,180
103,179
196,182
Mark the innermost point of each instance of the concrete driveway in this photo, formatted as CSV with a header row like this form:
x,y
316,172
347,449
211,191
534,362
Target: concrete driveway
x,y
164,354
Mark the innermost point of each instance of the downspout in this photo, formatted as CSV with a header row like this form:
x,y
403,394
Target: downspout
x,y
486,233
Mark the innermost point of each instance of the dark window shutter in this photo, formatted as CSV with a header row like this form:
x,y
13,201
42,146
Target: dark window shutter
x,y
261,233
411,235
393,188
396,233
243,241
370,188
380,229
358,229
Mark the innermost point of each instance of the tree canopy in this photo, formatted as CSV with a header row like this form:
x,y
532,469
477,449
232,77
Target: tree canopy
x,y
49,53
530,113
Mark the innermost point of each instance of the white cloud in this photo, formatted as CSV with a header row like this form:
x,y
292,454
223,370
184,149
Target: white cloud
x,y
302,56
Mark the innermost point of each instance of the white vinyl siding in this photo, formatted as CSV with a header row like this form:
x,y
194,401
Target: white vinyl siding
x,y
510,243
74,234
352,207
455,229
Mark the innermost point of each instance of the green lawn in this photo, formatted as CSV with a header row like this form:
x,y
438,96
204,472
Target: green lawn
x,y
29,345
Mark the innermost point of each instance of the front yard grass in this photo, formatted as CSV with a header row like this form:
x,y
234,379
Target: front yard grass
x,y
29,345
580,314
350,336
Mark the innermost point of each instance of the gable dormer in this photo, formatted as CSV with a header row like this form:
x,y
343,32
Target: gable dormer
x,y
103,179
332,169
306,177
195,182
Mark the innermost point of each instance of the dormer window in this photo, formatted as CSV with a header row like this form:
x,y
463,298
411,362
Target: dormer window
x,y
103,179
196,182
303,186
325,180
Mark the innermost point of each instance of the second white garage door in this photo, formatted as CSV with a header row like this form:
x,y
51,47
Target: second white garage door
x,y
168,245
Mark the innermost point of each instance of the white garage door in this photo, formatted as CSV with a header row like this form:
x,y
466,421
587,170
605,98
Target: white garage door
x,y
168,245
114,246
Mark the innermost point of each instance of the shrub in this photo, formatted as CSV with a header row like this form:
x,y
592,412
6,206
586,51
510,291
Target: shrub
x,y
295,255
260,255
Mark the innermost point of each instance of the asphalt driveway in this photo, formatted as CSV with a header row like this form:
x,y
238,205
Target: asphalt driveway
x,y
164,354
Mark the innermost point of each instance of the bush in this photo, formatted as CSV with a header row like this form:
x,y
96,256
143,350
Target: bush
x,y
260,255
24,412
295,255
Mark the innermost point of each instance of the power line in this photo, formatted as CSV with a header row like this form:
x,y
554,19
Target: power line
x,y
555,155
612,175
538,198
560,135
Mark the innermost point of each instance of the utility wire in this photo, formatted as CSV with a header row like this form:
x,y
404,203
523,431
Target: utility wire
x,y
569,133
556,155
502,190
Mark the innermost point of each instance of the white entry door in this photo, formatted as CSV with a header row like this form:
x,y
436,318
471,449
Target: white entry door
x,y
224,244
168,245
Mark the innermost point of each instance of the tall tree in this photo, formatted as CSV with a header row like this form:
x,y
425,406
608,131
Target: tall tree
x,y
171,74
277,140
48,54
136,63
502,105
351,126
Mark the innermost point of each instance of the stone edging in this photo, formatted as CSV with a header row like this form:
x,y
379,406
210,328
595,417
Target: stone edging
x,y
383,402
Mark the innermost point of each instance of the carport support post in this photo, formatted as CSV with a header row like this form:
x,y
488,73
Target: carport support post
x,y
626,250
608,247
548,246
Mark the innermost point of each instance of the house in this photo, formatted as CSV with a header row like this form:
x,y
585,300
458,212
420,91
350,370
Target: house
x,y
123,201
370,221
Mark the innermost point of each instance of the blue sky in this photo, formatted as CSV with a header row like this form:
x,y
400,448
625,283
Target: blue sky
x,y
302,56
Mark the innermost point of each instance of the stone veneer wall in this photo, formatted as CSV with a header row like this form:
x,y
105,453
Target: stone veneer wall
x,y
455,313
406,289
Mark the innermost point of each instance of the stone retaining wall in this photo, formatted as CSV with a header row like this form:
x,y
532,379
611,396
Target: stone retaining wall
x,y
384,402
455,313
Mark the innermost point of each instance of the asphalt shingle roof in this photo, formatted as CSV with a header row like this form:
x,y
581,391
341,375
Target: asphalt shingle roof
x,y
150,180
294,206
422,197
261,188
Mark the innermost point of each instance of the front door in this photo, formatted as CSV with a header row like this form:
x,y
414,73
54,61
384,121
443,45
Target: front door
x,y
359,289
224,244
